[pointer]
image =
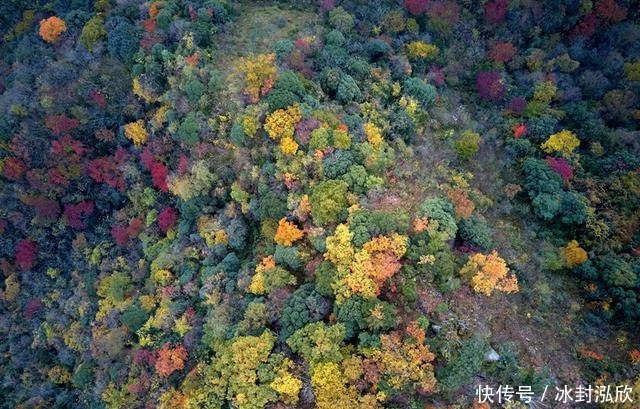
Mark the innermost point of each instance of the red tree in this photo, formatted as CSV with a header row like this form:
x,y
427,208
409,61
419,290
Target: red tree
x,y
122,234
159,173
444,10
97,98
611,11
109,169
61,124
13,168
416,7
561,167
166,219
159,170
586,27
26,253
502,52
489,85
46,210
495,11
33,306
74,213
119,234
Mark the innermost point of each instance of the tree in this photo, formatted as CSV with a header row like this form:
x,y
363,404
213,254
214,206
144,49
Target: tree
x,y
425,93
373,134
340,250
502,52
287,233
490,86
246,374
26,252
475,231
51,28
305,305
464,207
341,19
287,386
561,167
92,32
288,146
421,50
136,132
318,342
329,385
440,210
378,261
281,123
573,254
416,7
167,219
328,200
489,273
544,188
495,11
467,145
74,213
123,39
348,90
404,360
564,142
170,359
269,277
259,74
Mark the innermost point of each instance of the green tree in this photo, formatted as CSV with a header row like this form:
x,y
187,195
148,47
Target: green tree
x,y
544,187
318,342
328,200
93,32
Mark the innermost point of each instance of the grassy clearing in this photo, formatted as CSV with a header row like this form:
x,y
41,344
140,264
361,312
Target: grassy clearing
x,y
259,27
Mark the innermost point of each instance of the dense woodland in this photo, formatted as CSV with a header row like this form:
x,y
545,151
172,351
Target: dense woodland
x,y
317,204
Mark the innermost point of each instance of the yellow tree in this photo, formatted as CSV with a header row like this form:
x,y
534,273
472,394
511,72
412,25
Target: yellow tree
x,y
259,73
281,123
370,267
287,233
489,273
573,254
404,360
564,142
340,251
136,132
333,391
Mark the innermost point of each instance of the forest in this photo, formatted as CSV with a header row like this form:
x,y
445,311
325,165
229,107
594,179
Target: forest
x,y
331,204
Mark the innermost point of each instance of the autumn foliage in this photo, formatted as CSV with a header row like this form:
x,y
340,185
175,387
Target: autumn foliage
x,y
416,7
489,273
170,359
287,233
26,252
167,219
573,254
51,29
